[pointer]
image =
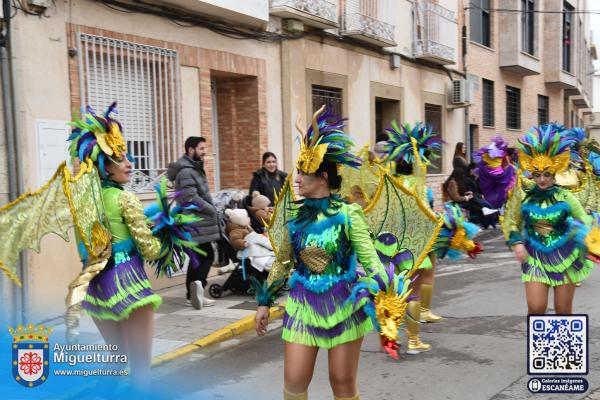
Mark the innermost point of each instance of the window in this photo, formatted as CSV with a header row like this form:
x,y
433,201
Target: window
x,y
567,37
144,83
513,107
332,97
488,102
528,26
433,120
479,14
543,109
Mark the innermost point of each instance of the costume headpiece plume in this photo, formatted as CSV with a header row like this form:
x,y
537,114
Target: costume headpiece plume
x,y
493,154
545,149
400,143
325,141
97,137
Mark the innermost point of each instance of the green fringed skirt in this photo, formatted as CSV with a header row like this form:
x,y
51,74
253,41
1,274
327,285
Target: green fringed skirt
x,y
325,319
560,266
119,290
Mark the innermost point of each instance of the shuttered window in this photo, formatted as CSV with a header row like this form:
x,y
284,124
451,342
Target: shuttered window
x,y
144,80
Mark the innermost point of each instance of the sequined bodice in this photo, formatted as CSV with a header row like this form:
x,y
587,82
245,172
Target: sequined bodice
x,y
546,223
322,247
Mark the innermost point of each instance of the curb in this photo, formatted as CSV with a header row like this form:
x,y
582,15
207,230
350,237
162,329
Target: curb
x,y
234,329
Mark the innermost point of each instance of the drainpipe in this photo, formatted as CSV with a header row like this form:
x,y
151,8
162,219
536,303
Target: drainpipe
x,y
464,55
15,179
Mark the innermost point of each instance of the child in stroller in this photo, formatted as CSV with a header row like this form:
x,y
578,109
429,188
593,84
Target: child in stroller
x,y
250,252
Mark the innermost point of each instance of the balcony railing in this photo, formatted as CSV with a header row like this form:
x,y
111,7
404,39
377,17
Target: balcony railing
x,y
367,20
435,31
318,13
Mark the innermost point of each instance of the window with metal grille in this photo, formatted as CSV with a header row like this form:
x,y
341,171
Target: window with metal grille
x,y
543,109
479,17
144,81
433,120
331,97
528,26
488,102
567,36
513,107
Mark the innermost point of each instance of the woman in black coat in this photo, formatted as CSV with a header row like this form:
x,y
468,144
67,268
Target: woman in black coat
x,y
268,180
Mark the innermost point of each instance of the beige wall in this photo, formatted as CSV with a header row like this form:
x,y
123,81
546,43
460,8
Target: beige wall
x,y
354,71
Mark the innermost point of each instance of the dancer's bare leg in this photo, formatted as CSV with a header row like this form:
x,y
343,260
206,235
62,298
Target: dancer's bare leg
x,y
537,297
343,368
138,331
563,298
111,333
427,275
298,366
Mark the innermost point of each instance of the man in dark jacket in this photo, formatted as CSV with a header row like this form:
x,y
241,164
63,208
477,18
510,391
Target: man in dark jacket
x,y
190,179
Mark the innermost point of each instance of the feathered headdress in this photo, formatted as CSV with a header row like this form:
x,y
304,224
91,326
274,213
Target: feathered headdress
x,y
325,141
545,149
403,141
97,137
492,154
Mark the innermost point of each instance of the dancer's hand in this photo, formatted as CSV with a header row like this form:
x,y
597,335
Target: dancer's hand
x,y
262,320
520,252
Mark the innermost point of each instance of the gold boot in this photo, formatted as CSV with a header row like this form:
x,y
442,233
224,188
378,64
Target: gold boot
x,y
294,396
415,346
426,314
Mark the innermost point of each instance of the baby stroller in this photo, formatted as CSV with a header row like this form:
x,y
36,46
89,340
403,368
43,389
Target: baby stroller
x,y
235,282
238,281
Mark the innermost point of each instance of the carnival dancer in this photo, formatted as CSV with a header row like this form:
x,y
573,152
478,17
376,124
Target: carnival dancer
x,y
412,149
496,174
537,223
323,239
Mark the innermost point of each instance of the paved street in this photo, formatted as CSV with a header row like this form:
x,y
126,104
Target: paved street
x,y
479,350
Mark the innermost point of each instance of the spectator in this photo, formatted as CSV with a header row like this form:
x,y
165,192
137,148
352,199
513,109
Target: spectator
x,y
460,157
463,189
268,180
190,179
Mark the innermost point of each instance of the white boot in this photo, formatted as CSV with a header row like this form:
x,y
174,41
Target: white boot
x,y
196,294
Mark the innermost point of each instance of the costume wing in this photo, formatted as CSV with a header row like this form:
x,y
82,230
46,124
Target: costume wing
x,y
512,213
360,185
63,202
400,211
277,227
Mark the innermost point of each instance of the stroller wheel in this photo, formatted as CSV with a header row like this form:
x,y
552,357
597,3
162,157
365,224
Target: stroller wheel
x,y
215,290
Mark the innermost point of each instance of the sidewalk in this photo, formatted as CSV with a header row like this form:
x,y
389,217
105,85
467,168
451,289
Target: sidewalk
x,y
177,325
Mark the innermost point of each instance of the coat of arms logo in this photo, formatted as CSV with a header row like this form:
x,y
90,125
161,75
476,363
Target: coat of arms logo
x,y
30,354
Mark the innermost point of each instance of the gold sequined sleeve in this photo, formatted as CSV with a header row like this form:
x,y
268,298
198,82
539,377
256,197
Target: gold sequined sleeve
x,y
133,215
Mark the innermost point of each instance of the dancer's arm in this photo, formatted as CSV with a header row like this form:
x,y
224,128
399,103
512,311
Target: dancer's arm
x,y
133,215
362,242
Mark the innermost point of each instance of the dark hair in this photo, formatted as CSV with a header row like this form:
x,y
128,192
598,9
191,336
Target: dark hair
x,y
404,168
266,155
333,178
192,142
459,176
458,152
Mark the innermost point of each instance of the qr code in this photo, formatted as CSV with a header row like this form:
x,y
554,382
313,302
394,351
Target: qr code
x,y
557,344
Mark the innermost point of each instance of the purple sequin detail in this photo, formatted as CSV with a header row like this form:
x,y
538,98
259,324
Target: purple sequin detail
x,y
104,286
323,303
